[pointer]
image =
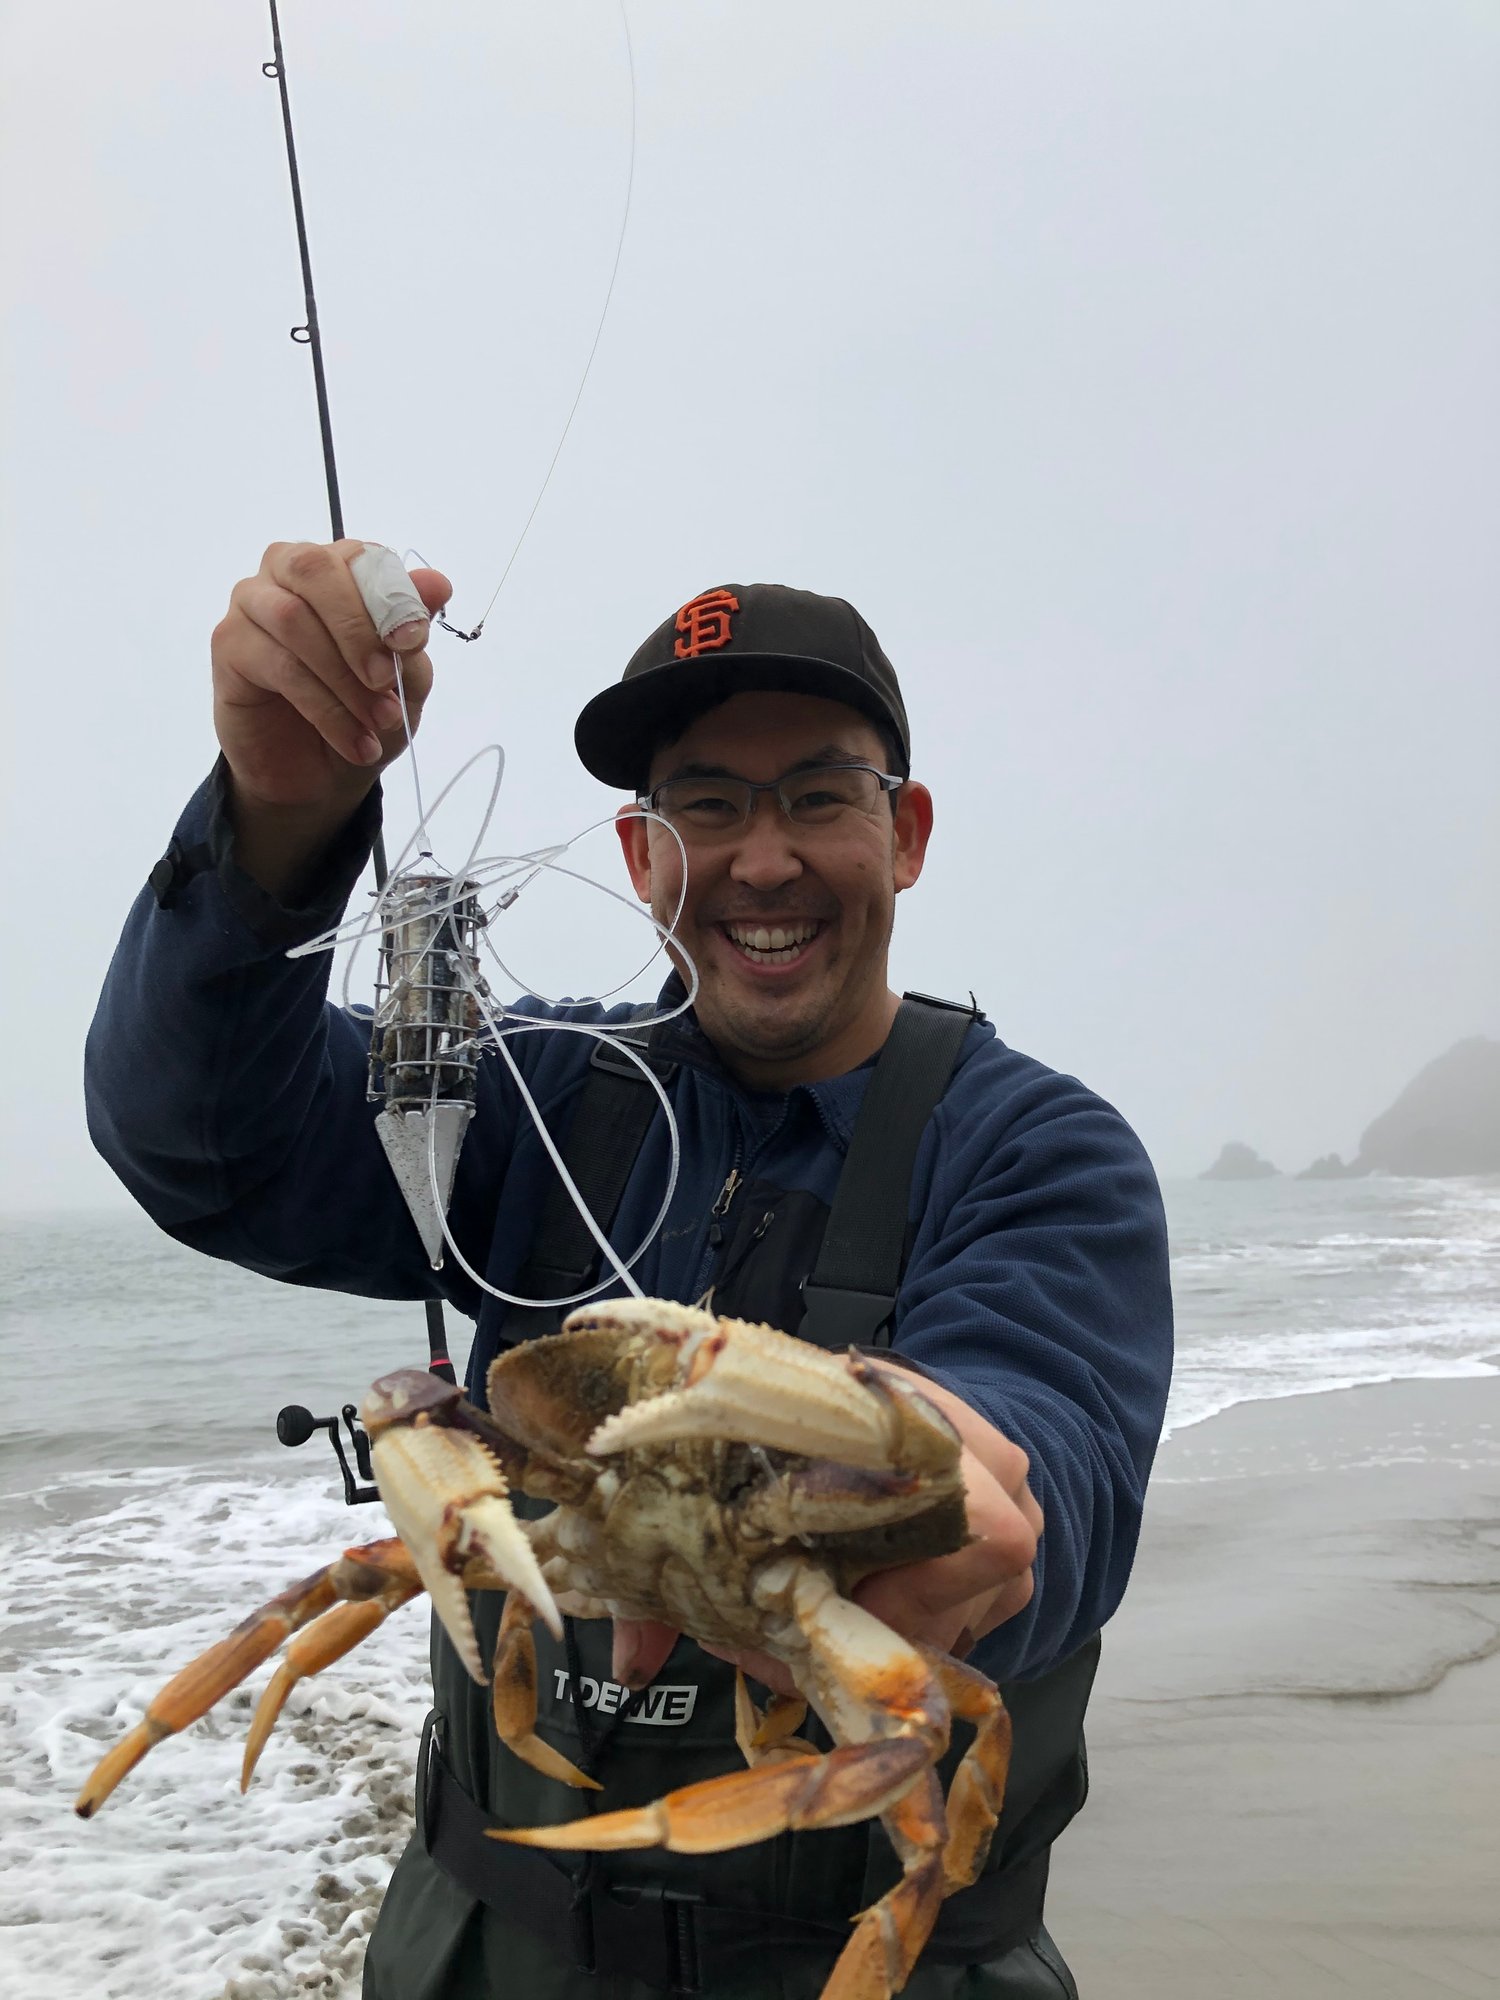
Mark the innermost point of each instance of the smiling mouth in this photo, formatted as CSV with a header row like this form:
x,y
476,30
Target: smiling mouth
x,y
772,944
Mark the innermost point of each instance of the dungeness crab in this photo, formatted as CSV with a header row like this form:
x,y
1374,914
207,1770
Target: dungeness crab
x,y
726,1479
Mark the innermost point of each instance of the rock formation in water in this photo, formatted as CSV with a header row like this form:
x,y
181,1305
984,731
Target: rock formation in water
x,y
1329,1167
1239,1162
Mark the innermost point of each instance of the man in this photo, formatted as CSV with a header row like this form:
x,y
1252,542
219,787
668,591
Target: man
x,y
767,727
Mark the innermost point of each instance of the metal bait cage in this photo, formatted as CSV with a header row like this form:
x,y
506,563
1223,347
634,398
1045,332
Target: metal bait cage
x,y
424,1043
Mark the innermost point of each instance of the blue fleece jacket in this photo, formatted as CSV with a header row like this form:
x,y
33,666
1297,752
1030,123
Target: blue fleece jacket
x,y
229,1096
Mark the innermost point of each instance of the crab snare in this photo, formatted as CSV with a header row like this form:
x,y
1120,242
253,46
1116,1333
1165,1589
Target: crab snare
x,y
423,1042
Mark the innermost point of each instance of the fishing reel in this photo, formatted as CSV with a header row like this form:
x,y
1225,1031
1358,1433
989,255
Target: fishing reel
x,y
295,1425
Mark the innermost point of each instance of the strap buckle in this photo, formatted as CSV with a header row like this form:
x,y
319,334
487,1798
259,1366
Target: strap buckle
x,y
426,1793
678,1925
953,1006
607,1056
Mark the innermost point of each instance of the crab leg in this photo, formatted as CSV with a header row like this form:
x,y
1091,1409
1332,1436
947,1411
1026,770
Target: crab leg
x,y
358,1574
327,1639
848,1784
888,1937
978,1788
765,1738
879,1957
515,1697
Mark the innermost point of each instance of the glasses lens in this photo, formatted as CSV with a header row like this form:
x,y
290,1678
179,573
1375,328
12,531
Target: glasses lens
x,y
706,805
814,798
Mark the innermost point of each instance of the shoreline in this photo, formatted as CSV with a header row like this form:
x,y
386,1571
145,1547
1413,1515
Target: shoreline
x,y
1295,1735
1467,1368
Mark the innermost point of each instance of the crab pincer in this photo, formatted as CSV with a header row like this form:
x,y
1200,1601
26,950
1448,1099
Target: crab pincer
x,y
751,1384
448,1499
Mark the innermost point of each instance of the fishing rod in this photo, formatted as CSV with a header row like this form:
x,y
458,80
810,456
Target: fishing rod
x,y
310,335
423,1034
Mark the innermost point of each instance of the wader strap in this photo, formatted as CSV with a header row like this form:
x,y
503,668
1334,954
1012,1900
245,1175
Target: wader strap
x,y
677,1943
610,1121
851,1293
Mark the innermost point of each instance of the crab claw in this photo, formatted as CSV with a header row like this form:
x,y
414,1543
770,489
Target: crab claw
x,y
757,1386
448,1501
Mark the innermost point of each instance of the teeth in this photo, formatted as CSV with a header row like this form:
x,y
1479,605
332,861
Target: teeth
x,y
760,939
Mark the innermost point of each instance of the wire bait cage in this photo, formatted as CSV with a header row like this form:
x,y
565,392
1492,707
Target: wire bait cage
x,y
425,1042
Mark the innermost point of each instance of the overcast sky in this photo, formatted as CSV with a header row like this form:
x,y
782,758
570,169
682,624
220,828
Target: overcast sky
x,y
1131,366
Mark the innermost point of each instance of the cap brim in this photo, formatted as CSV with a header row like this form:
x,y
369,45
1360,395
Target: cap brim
x,y
619,730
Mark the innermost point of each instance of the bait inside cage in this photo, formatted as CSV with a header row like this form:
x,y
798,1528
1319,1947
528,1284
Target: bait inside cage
x,y
424,1045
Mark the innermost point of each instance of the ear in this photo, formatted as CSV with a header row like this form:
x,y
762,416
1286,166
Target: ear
x,y
635,832
913,830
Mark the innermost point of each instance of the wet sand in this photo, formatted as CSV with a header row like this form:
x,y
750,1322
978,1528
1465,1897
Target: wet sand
x,y
1295,1736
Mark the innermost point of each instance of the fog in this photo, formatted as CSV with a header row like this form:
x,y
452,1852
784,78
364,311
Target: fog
x,y
1131,367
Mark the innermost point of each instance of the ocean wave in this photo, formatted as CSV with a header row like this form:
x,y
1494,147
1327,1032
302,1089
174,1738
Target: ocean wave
x,y
181,1886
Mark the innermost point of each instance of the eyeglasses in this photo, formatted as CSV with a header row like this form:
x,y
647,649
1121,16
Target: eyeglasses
x,y
822,796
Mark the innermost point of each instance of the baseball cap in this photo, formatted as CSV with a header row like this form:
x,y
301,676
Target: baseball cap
x,y
735,639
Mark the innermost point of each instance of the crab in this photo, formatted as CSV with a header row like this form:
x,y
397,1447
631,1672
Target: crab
x,y
726,1479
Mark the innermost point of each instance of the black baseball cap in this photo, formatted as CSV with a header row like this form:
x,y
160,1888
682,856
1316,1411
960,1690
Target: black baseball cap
x,y
735,639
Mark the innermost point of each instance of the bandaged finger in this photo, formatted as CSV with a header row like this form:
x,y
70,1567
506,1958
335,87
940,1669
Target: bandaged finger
x,y
389,595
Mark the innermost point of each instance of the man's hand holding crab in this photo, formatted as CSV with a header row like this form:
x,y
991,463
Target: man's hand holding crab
x,y
948,1602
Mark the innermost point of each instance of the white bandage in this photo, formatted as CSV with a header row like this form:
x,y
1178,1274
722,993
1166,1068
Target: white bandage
x,y
386,588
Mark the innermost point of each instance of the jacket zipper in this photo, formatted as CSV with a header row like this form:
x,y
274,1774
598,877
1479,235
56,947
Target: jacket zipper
x,y
722,1205
714,1241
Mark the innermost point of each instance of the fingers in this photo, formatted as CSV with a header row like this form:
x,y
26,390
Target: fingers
x,y
260,670
319,575
763,1667
981,1585
433,588
996,1471
641,1646
271,646
299,631
1006,1530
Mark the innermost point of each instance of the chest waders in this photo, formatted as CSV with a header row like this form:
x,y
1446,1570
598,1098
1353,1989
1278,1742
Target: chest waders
x,y
762,1920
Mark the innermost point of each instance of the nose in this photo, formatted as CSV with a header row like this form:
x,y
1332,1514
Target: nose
x,y
765,855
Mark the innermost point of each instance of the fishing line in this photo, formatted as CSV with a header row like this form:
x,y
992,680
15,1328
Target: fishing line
x,y
622,1266
614,272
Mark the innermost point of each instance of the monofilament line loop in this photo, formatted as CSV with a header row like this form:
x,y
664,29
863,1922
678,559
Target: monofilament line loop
x,y
513,873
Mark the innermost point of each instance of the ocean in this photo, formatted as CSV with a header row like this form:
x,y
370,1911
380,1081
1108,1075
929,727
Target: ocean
x,y
145,1506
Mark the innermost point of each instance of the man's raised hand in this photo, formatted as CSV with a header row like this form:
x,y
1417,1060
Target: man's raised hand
x,y
305,704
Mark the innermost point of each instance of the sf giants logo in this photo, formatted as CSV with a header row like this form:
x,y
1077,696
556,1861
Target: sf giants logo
x,y
704,624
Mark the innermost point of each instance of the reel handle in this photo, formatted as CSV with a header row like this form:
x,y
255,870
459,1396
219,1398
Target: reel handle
x,y
295,1425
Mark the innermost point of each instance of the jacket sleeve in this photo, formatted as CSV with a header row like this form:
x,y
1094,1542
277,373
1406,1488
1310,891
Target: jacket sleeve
x,y
230,1097
1038,1290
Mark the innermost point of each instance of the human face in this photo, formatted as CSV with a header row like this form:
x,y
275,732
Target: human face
x,y
820,1004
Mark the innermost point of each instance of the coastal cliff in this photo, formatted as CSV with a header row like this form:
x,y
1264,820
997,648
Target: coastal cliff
x,y
1446,1121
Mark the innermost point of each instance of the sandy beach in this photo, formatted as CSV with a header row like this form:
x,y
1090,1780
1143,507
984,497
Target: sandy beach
x,y
1295,1736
